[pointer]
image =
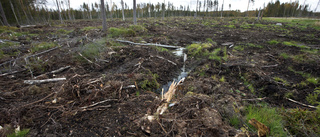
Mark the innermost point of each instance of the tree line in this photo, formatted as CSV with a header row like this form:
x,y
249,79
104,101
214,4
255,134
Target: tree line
x,y
17,12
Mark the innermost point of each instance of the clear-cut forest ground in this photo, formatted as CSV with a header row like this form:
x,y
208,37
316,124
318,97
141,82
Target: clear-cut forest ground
x,y
238,69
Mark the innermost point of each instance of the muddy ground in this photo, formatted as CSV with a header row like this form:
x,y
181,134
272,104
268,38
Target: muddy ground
x,y
109,95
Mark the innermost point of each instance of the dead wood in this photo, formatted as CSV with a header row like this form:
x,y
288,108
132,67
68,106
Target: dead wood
x,y
88,60
85,107
13,72
43,81
269,66
38,100
54,71
148,44
165,59
254,99
301,103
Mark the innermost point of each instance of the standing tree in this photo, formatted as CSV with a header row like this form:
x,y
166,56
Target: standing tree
x,y
163,8
195,14
248,7
3,15
59,11
14,13
103,14
134,13
222,8
122,4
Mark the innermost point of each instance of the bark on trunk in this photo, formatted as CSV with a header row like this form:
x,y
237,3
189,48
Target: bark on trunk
x,y
14,13
134,13
59,11
3,15
103,14
123,18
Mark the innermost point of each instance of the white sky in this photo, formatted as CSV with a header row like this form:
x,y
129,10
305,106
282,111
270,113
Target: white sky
x,y
235,4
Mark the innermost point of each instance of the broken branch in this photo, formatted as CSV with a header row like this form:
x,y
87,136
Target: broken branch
x,y
148,44
43,81
301,103
98,103
54,72
166,60
88,60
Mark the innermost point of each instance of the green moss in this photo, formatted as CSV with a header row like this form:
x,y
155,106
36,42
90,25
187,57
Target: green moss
x,y
273,42
254,45
88,28
222,79
235,121
295,44
302,122
150,83
138,28
267,116
230,26
313,80
278,79
121,32
161,49
198,50
21,133
284,55
63,31
7,29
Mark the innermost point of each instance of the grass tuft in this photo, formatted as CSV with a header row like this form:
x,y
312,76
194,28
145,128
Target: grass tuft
x,y
267,116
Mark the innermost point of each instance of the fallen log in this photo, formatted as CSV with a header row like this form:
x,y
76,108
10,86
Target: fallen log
x,y
148,44
43,81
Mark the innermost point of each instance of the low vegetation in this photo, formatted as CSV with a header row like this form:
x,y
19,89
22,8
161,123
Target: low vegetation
x,y
268,116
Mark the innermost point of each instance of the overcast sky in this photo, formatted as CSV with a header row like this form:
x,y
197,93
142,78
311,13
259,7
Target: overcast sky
x,y
235,4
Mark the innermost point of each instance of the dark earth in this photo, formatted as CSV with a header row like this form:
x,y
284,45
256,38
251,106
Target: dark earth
x,y
108,95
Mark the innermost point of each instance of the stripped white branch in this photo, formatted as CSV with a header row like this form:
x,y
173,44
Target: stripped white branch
x,y
301,103
148,44
88,60
98,103
165,59
43,81
54,72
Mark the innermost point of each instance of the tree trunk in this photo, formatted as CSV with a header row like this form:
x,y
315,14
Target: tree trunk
x,y
3,15
59,11
103,14
149,10
25,13
134,13
14,13
195,14
248,8
259,14
222,8
122,4
163,8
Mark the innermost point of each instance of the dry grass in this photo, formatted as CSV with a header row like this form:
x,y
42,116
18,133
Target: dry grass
x,y
168,97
